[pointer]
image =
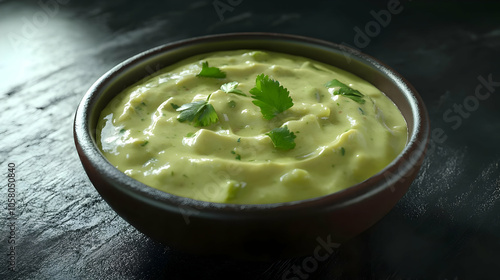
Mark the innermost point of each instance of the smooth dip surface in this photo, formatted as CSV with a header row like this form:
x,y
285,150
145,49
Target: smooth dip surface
x,y
339,142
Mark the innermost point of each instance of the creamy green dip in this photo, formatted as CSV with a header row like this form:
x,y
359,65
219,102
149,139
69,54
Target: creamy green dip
x,y
339,142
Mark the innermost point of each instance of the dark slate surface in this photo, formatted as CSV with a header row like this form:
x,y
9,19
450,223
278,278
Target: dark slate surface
x,y
446,227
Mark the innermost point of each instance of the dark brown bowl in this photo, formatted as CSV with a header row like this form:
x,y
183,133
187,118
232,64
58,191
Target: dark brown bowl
x,y
252,231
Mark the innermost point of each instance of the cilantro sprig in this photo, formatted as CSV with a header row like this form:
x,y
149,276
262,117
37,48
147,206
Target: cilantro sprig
x,y
346,91
282,138
232,88
200,113
270,96
210,72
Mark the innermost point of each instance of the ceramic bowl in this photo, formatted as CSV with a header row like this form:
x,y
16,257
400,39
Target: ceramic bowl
x,y
252,231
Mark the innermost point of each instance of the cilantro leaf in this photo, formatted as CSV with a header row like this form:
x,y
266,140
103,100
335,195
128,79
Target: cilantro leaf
x,y
210,72
346,91
200,113
270,96
232,88
282,138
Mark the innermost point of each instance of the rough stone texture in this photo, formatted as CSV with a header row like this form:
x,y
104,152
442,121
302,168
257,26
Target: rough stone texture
x,y
446,227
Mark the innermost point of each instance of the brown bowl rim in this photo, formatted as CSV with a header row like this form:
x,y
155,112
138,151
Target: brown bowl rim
x,y
90,154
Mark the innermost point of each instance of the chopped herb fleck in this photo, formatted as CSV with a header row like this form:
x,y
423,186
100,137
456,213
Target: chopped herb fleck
x,y
144,143
282,138
200,113
122,130
342,151
175,106
210,72
232,88
317,95
346,91
238,157
361,110
239,140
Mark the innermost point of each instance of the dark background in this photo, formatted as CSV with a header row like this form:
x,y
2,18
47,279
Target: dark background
x,y
446,227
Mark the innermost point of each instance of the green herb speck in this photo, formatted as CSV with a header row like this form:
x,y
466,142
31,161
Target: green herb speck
x,y
342,151
317,96
145,143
